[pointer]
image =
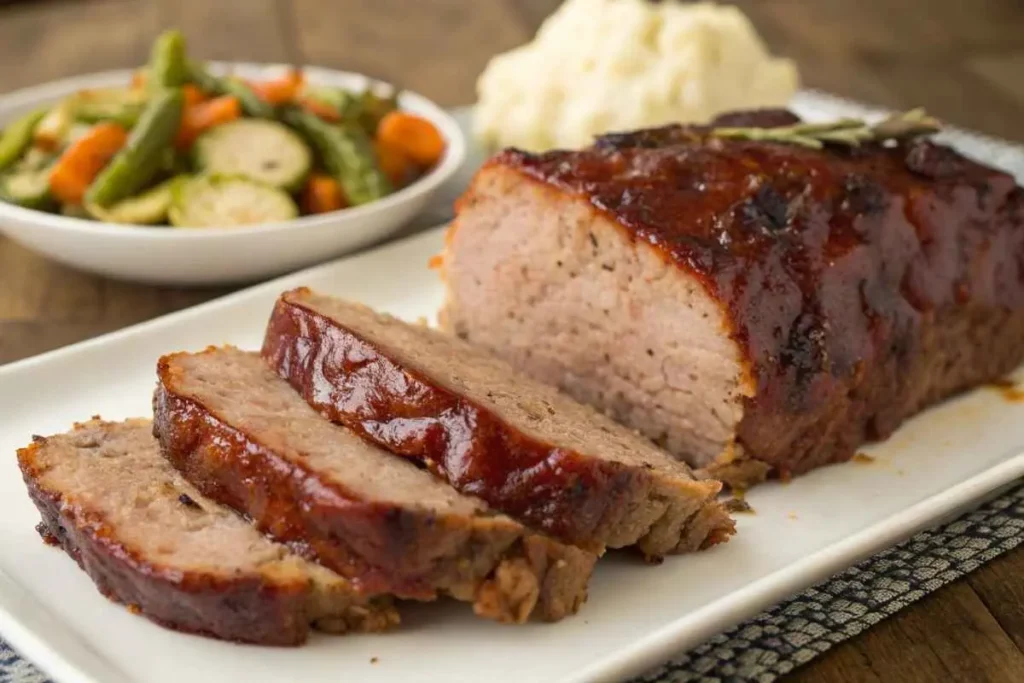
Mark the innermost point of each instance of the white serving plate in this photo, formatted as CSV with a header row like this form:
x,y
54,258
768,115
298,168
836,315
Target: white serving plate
x,y
205,256
637,616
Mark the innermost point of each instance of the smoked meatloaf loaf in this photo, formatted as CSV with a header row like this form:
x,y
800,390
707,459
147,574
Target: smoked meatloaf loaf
x,y
521,445
750,306
149,539
243,437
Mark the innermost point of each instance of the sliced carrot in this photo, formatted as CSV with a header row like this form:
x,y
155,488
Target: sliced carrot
x,y
279,90
436,262
83,160
320,109
193,95
139,79
414,135
321,194
205,115
395,163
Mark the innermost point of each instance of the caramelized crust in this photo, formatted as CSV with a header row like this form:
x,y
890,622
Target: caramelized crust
x,y
245,439
859,285
435,399
262,595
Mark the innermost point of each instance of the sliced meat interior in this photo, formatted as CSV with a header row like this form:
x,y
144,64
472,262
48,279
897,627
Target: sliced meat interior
x,y
521,445
149,539
246,439
752,307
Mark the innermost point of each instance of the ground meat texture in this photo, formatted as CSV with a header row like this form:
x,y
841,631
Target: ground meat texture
x,y
751,306
243,437
149,539
521,445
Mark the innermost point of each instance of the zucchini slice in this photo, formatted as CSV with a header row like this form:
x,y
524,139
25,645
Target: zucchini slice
x,y
120,105
148,208
50,133
265,151
226,201
30,189
35,159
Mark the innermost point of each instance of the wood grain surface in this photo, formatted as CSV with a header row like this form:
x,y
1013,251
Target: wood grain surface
x,y
963,60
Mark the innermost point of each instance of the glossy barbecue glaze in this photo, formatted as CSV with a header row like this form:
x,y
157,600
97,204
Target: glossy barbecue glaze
x,y
248,589
840,271
616,490
242,436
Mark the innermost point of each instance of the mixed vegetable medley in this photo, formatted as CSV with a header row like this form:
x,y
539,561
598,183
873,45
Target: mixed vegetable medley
x,y
184,147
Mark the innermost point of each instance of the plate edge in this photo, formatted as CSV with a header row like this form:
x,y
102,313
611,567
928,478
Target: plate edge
x,y
670,640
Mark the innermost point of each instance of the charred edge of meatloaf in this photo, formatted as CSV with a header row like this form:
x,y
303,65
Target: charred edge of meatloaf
x,y
843,365
585,501
236,471
244,610
580,261
957,349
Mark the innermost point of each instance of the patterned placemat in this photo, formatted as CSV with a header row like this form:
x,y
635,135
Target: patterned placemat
x,y
803,627
796,631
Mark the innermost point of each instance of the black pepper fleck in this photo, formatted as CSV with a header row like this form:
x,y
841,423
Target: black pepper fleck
x,y
187,501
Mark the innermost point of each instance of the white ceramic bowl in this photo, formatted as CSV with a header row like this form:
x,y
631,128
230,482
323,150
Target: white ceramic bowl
x,y
163,255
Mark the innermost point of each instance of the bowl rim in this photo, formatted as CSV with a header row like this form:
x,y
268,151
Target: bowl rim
x,y
455,153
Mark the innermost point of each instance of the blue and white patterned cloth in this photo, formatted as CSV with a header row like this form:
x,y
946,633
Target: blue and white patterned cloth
x,y
14,669
796,631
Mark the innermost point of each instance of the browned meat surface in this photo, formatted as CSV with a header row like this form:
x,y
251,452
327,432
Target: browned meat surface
x,y
750,306
149,539
521,445
242,436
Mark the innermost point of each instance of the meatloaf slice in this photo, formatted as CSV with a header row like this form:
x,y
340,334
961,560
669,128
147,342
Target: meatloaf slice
x,y
246,439
521,445
750,306
149,539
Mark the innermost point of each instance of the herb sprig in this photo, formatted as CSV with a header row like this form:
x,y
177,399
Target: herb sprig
x,y
847,132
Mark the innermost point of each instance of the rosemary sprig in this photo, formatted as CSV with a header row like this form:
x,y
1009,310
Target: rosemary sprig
x,y
847,132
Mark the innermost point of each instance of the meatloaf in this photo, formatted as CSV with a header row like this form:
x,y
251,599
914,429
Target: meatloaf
x,y
521,445
149,539
242,436
751,306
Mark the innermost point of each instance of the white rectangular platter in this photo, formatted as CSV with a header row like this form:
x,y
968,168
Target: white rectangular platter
x,y
637,615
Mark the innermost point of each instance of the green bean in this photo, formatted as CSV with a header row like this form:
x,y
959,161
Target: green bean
x,y
174,162
17,137
347,104
347,154
250,102
207,82
373,108
168,66
365,109
144,154
30,189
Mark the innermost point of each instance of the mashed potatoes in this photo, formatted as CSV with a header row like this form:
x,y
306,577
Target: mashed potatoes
x,y
600,65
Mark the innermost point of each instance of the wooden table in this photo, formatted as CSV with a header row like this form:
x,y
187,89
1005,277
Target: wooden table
x,y
963,60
